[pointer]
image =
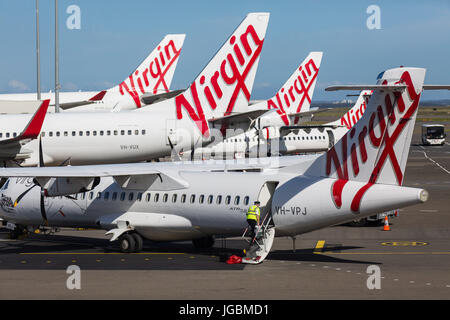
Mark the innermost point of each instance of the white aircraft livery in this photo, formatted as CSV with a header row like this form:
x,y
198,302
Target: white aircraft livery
x,y
274,139
151,132
152,77
360,175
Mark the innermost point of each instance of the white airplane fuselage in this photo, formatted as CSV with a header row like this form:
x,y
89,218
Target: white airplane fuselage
x,y
269,141
90,138
175,215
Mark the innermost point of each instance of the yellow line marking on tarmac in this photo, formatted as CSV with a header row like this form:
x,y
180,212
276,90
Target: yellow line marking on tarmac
x,y
99,253
319,246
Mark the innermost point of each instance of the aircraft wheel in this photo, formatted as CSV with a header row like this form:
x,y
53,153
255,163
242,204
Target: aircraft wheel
x,y
17,233
358,223
139,242
127,243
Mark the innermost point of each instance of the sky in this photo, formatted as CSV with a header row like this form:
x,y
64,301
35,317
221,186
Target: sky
x,y
115,36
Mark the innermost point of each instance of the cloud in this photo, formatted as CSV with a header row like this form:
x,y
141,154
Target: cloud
x,y
17,86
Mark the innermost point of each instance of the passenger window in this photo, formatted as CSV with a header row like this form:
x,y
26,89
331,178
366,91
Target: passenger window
x,y
114,196
174,198
183,198
99,195
7,134
143,132
129,132
193,198
139,196
122,132
210,199
156,197
83,195
91,195
108,132
101,132
131,196
228,200
116,132
50,134
74,133
106,196
66,133
88,133
165,197
80,133
57,133
219,200
122,196
246,200
236,200
147,198
201,199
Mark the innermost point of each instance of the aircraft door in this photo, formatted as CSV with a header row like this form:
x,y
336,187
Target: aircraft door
x,y
265,197
330,139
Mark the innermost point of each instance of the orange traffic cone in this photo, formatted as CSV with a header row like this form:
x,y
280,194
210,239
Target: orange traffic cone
x,y
386,224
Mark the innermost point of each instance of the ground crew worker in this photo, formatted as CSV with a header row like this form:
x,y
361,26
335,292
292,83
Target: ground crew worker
x,y
253,215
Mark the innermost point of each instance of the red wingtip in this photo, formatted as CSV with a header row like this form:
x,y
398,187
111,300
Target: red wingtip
x,y
34,126
99,96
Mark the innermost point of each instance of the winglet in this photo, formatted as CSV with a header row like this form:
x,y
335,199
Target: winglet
x,y
99,96
33,128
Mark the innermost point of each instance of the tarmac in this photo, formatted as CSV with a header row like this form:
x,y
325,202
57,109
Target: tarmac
x,y
412,259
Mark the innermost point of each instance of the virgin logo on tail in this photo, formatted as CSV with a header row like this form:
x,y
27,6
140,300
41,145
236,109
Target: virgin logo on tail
x,y
354,114
381,140
228,73
297,92
151,77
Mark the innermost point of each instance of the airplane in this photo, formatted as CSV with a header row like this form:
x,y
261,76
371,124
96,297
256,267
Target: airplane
x,y
360,175
290,105
149,82
278,139
224,86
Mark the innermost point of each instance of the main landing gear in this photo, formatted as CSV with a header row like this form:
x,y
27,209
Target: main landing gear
x,y
131,242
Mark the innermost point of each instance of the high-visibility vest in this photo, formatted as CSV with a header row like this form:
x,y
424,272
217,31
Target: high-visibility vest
x,y
252,212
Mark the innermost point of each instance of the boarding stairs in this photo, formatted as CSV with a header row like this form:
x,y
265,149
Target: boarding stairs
x,y
259,247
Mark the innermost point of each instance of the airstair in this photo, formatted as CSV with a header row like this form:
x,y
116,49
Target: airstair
x,y
260,246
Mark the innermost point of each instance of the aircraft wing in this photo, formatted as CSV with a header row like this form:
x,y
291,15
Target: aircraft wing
x,y
238,117
308,113
436,87
149,98
69,105
82,178
10,148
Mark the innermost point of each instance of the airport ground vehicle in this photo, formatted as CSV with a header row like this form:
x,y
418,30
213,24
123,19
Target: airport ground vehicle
x,y
433,134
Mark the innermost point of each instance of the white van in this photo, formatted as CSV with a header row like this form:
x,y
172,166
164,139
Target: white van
x,y
433,134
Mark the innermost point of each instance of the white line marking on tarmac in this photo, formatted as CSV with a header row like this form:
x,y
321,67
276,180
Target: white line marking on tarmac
x,y
428,210
436,163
